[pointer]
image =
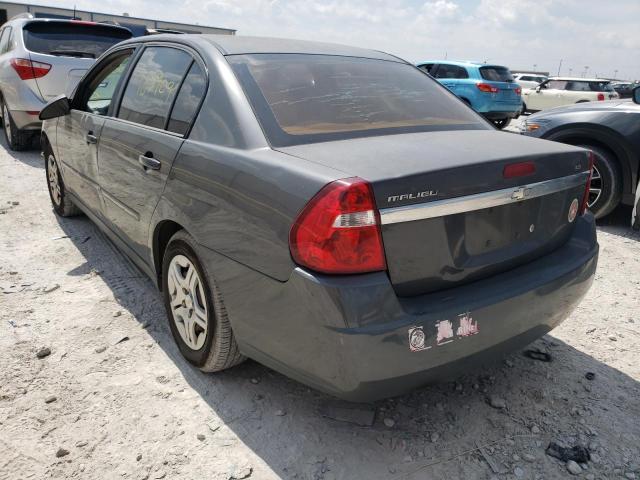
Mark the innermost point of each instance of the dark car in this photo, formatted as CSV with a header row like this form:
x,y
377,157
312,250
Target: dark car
x,y
612,131
331,212
624,89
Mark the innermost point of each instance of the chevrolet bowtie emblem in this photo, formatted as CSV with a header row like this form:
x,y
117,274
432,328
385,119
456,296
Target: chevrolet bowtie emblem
x,y
520,193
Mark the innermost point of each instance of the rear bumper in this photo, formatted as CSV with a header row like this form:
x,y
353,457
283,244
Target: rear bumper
x,y
349,336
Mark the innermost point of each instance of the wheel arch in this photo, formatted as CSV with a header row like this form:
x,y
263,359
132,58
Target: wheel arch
x,y
162,233
603,137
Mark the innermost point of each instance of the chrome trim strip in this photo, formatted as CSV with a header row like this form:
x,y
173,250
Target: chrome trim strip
x,y
468,203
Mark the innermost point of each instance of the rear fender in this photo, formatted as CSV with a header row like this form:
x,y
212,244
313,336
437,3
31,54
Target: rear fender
x,y
608,138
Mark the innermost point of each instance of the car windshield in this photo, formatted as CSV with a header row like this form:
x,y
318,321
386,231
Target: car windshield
x,y
310,98
496,74
72,39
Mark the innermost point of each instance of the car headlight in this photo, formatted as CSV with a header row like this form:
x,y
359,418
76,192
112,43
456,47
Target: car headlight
x,y
531,126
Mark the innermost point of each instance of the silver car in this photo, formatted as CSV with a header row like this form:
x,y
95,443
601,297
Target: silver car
x,y
40,59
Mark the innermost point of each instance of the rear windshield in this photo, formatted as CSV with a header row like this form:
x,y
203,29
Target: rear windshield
x,y
71,39
496,74
312,98
579,86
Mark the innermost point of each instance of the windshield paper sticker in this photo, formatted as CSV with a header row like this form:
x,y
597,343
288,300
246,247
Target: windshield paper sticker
x,y
447,331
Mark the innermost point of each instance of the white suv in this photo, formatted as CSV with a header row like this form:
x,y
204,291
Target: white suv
x,y
528,80
559,91
41,59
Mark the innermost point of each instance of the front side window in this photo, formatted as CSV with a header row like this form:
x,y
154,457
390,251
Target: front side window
x,y
310,98
72,39
98,95
154,83
556,84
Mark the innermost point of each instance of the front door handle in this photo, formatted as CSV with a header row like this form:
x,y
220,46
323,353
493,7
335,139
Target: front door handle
x,y
91,138
147,161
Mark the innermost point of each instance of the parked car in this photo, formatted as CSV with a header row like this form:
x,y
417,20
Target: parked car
x,y
624,89
329,211
559,91
40,59
528,80
488,89
612,131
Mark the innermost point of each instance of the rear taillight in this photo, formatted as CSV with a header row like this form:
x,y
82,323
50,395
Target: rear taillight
x,y
601,97
28,70
585,197
518,90
485,87
339,230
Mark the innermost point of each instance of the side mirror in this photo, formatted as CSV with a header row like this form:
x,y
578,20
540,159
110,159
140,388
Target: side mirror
x,y
538,88
58,107
636,94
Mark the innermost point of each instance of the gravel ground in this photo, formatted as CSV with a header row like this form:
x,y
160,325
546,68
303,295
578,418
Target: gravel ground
x,y
114,398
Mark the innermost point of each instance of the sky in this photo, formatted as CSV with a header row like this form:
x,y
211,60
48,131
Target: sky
x,y
522,34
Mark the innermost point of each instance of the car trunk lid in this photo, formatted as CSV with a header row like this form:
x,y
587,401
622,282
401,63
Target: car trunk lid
x,y
449,216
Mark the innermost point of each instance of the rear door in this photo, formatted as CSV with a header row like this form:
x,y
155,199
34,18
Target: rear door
x,y
450,75
138,145
78,132
69,48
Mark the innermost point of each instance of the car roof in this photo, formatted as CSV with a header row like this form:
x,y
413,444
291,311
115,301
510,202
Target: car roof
x,y
23,21
580,79
244,45
461,64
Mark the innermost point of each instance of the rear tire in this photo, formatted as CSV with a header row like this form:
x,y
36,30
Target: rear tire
x,y
606,182
197,317
62,204
17,140
502,123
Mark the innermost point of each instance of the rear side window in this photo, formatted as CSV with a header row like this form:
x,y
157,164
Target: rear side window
x,y
313,98
72,39
153,85
187,101
451,71
496,74
4,39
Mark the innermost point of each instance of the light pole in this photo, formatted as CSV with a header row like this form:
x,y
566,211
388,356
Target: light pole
x,y
535,65
570,70
615,74
586,69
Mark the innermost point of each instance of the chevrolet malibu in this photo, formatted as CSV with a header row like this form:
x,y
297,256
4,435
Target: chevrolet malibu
x,y
331,212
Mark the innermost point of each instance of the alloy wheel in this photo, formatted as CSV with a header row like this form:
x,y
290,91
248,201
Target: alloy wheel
x,y
54,180
595,188
188,301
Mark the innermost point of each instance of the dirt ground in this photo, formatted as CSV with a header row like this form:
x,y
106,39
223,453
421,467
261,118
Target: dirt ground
x,y
115,399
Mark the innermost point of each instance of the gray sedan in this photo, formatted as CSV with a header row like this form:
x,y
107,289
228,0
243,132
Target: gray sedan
x,y
331,212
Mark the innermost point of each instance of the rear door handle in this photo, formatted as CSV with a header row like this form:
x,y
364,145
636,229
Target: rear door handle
x,y
147,161
91,138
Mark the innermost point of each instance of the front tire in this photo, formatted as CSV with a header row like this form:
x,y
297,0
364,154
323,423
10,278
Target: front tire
x,y
197,317
17,140
502,123
62,204
606,182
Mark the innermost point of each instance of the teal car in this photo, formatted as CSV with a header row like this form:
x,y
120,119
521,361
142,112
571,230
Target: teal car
x,y
489,89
